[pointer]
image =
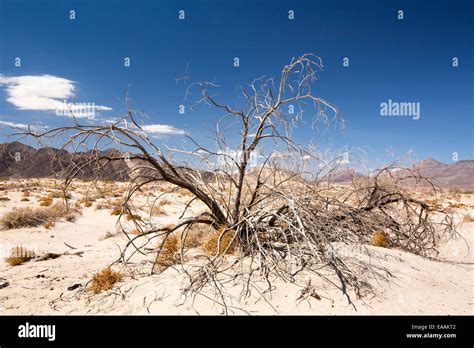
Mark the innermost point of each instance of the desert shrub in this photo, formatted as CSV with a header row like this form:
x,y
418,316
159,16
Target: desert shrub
x,y
218,240
105,280
24,217
29,217
380,239
169,253
26,194
19,255
45,201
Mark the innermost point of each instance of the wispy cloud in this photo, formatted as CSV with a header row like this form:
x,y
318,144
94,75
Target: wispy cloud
x,y
21,125
160,129
46,93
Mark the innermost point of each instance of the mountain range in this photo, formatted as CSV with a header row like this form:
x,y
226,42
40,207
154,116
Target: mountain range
x,y
18,160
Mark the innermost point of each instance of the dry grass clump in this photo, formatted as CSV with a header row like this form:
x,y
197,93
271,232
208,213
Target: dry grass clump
x,y
456,205
24,217
159,208
49,224
182,192
156,210
380,239
135,231
116,211
19,255
60,194
26,194
196,235
168,255
218,241
133,217
45,201
100,206
29,217
468,218
105,280
24,199
4,199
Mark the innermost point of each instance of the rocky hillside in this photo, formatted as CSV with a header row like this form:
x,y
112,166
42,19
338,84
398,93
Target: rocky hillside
x,y
18,160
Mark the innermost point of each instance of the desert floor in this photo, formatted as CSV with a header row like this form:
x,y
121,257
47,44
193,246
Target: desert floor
x,y
413,285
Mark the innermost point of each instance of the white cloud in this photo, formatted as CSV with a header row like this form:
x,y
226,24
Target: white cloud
x,y
13,124
21,125
47,93
162,129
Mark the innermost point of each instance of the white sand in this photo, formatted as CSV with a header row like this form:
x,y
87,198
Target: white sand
x,y
416,285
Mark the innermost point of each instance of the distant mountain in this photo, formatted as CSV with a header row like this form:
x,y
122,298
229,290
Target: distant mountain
x,y
457,174
18,160
344,176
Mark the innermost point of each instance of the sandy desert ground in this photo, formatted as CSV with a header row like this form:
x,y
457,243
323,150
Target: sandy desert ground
x,y
413,285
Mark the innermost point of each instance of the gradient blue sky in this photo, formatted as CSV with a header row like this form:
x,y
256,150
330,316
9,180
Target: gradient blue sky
x,y
406,61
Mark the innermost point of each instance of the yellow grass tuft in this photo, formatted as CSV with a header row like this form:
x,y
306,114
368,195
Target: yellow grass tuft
x,y
105,280
380,239
116,211
48,225
218,241
196,235
45,201
169,253
132,217
19,255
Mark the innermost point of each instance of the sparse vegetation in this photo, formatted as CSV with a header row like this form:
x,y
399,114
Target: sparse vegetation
x,y
45,201
380,239
168,254
220,241
196,235
30,217
116,211
105,280
19,255
277,214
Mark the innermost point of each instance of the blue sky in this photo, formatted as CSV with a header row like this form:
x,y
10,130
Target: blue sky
x,y
407,60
